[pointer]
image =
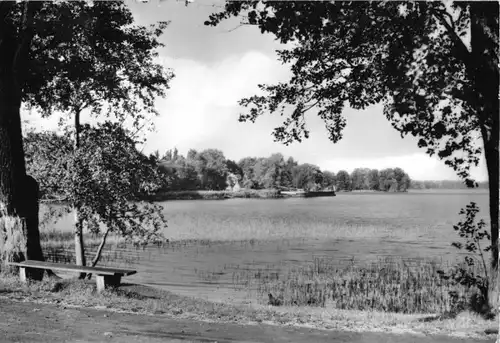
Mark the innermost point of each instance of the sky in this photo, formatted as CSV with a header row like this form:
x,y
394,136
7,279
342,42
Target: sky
x,y
217,66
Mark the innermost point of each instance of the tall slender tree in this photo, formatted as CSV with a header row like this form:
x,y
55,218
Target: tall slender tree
x,y
90,56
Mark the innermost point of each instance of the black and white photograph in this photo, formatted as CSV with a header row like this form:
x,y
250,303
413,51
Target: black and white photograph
x,y
221,171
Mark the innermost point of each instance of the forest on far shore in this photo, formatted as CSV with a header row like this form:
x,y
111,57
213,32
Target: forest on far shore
x,y
210,170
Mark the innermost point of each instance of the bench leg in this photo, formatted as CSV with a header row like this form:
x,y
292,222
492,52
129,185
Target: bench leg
x,y
22,274
107,281
26,274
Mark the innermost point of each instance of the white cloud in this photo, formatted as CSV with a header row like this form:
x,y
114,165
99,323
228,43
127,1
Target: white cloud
x,y
203,100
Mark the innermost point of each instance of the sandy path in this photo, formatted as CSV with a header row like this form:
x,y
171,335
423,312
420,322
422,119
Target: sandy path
x,y
29,322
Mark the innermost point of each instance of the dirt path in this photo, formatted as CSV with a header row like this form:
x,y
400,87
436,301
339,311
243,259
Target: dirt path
x,y
29,322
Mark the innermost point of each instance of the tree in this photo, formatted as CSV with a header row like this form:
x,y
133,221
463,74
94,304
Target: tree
x,y
274,170
329,179
443,184
402,179
343,181
387,180
287,178
168,155
180,174
18,191
191,155
247,166
210,166
89,56
359,178
175,154
436,82
108,179
234,168
214,167
307,176
373,181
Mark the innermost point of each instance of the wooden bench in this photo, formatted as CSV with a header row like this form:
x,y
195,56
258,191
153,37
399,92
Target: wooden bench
x,y
105,277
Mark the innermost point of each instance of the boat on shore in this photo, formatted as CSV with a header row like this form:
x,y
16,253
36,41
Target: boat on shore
x,y
308,194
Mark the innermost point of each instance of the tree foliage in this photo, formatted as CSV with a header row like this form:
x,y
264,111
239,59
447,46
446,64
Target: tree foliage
x,y
273,172
108,180
329,179
442,184
91,56
363,53
343,181
473,271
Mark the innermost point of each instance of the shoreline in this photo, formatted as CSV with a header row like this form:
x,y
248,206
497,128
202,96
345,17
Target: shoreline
x,y
145,303
276,194
242,194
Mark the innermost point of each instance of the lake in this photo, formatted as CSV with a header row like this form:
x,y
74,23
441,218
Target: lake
x,y
219,243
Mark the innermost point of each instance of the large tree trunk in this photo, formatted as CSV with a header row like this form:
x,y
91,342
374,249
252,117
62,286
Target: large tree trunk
x,y
18,192
79,246
485,72
492,164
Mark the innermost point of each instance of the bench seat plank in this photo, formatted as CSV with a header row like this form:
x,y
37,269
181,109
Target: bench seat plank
x,y
73,268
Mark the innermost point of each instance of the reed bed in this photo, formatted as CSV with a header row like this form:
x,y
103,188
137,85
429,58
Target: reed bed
x,y
58,246
389,285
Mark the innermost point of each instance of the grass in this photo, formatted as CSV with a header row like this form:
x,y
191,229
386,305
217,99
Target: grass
x,y
145,300
58,246
54,237
388,285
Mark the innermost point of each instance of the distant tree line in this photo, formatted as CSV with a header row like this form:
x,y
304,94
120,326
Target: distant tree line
x,y
210,170
444,184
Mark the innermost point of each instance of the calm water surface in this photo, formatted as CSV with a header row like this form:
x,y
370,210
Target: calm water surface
x,y
248,235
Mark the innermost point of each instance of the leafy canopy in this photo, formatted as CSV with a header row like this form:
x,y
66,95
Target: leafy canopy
x,y
410,56
90,55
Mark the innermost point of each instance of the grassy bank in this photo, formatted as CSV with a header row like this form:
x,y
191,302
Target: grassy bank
x,y
218,195
146,300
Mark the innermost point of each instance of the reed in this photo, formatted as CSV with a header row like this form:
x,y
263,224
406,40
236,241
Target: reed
x,y
390,285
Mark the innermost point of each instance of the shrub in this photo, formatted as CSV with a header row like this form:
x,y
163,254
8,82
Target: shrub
x,y
472,272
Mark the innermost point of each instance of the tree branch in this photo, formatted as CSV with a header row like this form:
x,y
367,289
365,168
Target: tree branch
x,y
462,50
310,106
99,251
27,33
140,128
